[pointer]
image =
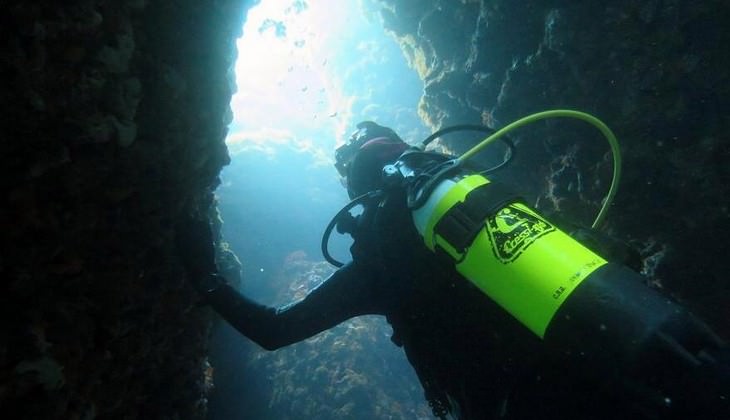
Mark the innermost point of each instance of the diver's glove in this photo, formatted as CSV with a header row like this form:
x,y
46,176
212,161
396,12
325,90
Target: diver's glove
x,y
194,242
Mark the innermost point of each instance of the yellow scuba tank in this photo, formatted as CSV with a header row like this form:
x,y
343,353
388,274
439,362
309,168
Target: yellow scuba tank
x,y
554,285
593,315
509,251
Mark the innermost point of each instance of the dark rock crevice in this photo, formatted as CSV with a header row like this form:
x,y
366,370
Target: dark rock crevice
x,y
114,116
113,126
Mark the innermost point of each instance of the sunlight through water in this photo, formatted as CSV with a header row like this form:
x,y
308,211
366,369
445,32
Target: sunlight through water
x,y
306,73
286,92
304,77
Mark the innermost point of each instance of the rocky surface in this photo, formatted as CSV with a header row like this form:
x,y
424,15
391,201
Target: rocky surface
x,y
112,127
655,71
113,123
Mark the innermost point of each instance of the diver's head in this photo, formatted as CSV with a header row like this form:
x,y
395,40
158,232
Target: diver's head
x,y
360,161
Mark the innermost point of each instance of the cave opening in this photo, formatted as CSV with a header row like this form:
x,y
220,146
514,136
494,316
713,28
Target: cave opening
x,y
306,73
115,116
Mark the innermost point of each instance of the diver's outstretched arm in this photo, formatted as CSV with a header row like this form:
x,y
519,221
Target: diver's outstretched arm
x,y
345,294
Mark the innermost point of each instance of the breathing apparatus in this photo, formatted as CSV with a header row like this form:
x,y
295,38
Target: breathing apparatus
x,y
596,313
593,312
494,239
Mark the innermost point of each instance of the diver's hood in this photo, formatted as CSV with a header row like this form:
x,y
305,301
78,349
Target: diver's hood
x,y
364,173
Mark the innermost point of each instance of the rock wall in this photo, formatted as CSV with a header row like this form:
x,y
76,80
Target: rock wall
x,y
655,71
113,123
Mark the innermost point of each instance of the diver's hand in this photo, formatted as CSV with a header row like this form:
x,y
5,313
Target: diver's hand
x,y
194,242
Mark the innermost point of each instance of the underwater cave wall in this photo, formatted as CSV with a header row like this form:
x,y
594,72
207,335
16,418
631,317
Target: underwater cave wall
x,y
113,122
655,71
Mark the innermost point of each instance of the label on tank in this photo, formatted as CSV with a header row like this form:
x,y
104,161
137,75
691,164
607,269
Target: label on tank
x,y
527,265
513,230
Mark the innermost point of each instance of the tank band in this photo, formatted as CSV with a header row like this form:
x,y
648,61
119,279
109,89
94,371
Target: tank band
x,y
462,222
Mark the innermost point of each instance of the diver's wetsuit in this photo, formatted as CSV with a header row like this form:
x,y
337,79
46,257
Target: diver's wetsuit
x,y
472,357
468,353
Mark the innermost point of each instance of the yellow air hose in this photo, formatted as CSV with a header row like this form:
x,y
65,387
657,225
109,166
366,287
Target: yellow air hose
x,y
570,114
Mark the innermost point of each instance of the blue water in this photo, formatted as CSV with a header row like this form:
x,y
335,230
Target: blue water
x,y
277,196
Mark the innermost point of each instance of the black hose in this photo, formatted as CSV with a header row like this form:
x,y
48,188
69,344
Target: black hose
x,y
415,201
328,230
472,127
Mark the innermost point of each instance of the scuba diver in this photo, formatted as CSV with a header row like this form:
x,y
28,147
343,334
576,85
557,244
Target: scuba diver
x,y
501,313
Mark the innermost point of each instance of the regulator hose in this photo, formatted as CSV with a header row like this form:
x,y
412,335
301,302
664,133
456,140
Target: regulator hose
x,y
474,127
603,128
372,195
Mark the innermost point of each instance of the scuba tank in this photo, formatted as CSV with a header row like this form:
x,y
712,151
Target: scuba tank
x,y
590,313
495,240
